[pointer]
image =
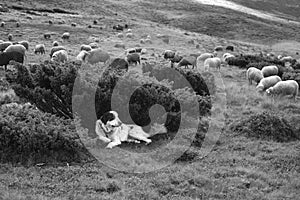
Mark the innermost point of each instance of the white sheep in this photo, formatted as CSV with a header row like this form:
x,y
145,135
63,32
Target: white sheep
x,y
65,35
60,56
25,44
282,88
2,24
82,55
254,74
16,48
56,48
269,70
147,40
120,35
267,82
55,43
203,57
143,51
97,55
85,47
212,63
287,59
39,48
129,35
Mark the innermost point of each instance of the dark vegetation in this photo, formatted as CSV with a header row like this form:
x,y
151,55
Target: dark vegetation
x,y
267,126
294,75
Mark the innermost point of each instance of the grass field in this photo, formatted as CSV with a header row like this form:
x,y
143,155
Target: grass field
x,y
238,167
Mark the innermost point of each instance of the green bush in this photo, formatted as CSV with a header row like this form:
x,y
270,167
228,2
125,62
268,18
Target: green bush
x,y
29,136
266,126
294,75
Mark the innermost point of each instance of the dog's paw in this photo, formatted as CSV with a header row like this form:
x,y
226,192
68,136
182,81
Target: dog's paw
x,y
148,141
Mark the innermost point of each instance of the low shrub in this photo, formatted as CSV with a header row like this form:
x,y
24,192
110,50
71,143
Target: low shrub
x,y
29,136
266,126
294,75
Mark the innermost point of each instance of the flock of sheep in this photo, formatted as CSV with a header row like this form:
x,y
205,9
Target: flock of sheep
x,y
266,79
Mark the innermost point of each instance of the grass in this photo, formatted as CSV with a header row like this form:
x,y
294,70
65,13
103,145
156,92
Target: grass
x,y
238,167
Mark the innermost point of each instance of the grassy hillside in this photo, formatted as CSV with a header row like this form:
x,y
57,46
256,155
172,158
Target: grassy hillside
x,y
239,166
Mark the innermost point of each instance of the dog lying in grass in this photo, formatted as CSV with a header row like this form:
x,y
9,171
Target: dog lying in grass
x,y
111,130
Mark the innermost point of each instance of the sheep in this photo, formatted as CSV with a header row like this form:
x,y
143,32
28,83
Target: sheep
x,y
60,56
142,41
95,22
147,40
97,55
17,24
143,51
93,45
25,44
133,58
50,22
47,36
254,74
226,56
16,48
229,48
89,26
6,57
129,35
212,63
82,55
10,37
188,60
4,45
56,48
218,48
129,30
120,35
269,70
55,43
2,24
168,54
131,50
288,87
203,57
85,47
287,59
39,48
267,82
176,59
65,35
73,24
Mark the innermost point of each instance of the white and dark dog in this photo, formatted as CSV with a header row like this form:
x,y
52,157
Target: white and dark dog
x,y
111,130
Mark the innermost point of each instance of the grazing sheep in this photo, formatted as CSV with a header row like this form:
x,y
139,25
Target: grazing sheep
x,y
39,48
25,44
97,55
60,56
129,35
93,45
120,46
212,63
50,22
282,88
254,74
202,58
143,51
4,45
218,48
188,60
16,48
120,35
2,24
5,57
287,59
133,58
10,37
269,70
119,63
55,43
147,40
176,59
47,35
65,36
129,30
229,48
267,82
168,54
56,48
226,56
82,55
85,47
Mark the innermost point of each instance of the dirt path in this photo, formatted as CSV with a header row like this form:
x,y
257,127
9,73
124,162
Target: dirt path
x,y
244,9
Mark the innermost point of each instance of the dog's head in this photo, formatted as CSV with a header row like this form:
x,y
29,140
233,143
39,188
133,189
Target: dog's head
x,y
109,121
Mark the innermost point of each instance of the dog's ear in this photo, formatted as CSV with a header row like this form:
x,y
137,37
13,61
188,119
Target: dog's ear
x,y
108,116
